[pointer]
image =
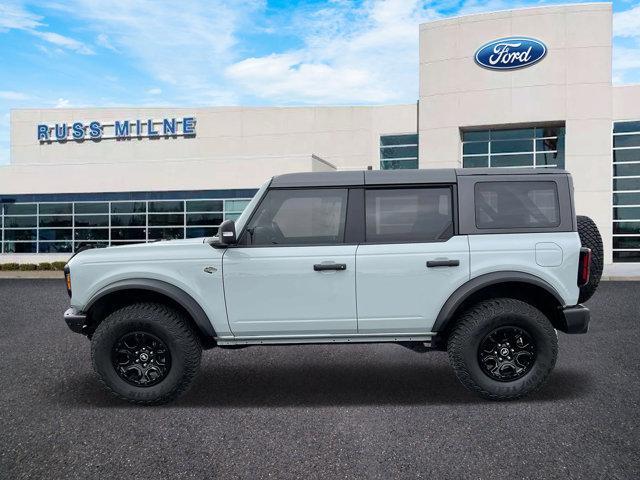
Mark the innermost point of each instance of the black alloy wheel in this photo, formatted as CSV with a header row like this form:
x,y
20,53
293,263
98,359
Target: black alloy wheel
x,y
506,353
503,348
146,353
141,359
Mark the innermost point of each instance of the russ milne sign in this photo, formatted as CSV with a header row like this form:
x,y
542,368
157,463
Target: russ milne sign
x,y
120,129
510,53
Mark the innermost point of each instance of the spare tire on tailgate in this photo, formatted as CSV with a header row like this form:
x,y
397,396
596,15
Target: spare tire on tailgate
x,y
590,238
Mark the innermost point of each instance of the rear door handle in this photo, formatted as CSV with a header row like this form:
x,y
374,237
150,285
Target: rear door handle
x,y
443,263
321,267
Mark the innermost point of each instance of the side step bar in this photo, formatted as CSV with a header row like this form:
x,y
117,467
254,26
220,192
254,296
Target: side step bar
x,y
422,337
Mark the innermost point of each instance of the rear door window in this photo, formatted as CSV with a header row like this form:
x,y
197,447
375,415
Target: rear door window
x,y
516,205
409,215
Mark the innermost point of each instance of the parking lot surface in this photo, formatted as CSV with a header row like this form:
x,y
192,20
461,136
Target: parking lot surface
x,y
353,411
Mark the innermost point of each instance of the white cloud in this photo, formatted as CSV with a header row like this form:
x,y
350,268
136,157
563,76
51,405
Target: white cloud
x,y
351,54
186,46
62,103
626,54
627,23
50,51
13,16
626,64
286,77
11,95
65,42
103,41
626,58
154,91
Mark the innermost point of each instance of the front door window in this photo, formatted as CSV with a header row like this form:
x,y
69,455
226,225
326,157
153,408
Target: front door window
x,y
298,217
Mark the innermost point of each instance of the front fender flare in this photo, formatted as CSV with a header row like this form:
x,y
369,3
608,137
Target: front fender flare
x,y
176,294
475,284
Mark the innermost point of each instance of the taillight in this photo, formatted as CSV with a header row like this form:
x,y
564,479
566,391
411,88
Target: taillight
x,y
584,266
67,279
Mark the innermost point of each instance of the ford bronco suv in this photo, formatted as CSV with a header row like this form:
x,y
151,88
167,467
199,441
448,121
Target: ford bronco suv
x,y
486,263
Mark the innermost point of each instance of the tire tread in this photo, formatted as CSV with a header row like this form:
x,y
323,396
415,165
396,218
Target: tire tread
x,y
179,330
590,238
469,323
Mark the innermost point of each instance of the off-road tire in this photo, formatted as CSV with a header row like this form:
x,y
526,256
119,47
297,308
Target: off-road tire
x,y
590,238
480,320
162,322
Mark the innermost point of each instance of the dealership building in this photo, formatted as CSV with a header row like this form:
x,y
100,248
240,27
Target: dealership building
x,y
519,88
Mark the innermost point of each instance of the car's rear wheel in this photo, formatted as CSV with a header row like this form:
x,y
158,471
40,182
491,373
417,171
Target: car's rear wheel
x,y
503,348
145,353
590,238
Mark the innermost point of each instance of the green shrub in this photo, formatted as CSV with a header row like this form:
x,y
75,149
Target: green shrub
x,y
58,265
28,267
9,266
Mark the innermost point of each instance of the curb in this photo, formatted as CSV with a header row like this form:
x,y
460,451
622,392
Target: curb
x,y
620,278
32,275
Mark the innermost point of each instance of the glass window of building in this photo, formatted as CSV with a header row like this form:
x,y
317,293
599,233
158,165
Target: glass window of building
x,y
233,208
537,147
398,152
65,227
626,191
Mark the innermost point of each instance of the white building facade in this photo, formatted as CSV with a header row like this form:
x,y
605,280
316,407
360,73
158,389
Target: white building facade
x,y
113,176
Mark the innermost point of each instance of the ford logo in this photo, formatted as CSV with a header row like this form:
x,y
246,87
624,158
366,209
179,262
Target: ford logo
x,y
510,53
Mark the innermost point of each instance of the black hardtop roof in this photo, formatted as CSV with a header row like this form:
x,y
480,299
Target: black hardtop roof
x,y
396,177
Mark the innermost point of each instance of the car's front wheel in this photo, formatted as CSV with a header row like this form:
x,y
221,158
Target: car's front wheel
x,y
145,353
503,348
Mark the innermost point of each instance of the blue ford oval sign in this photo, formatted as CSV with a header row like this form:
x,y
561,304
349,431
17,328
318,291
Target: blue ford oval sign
x,y
510,53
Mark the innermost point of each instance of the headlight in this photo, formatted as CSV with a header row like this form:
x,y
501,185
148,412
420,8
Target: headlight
x,y
67,279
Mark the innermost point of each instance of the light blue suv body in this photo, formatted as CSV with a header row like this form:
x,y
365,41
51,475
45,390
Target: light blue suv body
x,y
353,257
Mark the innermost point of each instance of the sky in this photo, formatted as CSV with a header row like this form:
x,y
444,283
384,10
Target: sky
x,y
81,53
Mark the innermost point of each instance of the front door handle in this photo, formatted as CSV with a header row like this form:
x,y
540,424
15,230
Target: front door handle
x,y
443,263
321,267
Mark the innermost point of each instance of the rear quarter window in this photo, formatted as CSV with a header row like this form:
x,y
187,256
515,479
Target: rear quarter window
x,y
512,204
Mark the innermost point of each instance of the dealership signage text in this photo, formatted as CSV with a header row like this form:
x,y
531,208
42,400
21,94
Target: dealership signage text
x,y
510,53
120,129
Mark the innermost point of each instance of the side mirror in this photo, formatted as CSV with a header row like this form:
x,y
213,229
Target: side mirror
x,y
227,233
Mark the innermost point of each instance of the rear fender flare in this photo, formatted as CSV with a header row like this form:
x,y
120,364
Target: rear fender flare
x,y
463,292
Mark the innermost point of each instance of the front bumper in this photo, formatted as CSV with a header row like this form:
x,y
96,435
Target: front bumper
x,y
574,319
77,322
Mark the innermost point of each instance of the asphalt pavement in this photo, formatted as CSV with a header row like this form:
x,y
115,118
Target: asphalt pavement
x,y
326,412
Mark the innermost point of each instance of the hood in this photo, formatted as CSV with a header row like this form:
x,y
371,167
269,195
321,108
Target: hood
x,y
155,251
165,243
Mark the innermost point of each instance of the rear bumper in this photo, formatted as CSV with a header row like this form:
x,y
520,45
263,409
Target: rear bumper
x,y
574,319
76,321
